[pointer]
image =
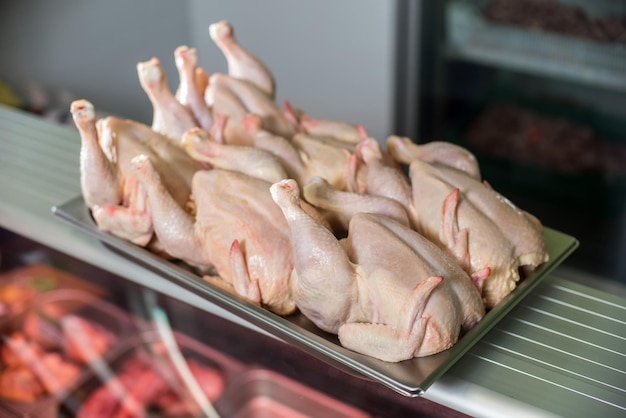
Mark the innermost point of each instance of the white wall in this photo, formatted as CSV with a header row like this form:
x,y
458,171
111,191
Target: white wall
x,y
91,48
333,59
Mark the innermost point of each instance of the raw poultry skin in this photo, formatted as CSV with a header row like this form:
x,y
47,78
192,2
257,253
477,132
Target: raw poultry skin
x,y
193,82
341,131
385,290
237,230
236,98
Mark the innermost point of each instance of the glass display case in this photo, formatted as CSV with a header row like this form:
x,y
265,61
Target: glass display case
x,y
79,341
536,90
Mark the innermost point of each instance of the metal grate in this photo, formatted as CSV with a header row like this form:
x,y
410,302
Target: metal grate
x,y
38,161
563,349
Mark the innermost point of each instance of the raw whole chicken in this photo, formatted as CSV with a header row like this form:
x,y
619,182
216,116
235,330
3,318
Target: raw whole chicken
x,y
237,230
248,88
200,98
116,199
488,235
385,290
485,231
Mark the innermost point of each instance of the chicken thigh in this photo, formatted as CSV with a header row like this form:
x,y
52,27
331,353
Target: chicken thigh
x,y
385,290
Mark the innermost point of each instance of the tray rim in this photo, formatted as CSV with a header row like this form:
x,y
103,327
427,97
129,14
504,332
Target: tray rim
x,y
319,344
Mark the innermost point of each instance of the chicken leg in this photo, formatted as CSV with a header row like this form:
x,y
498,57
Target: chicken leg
x,y
382,179
236,232
189,93
249,160
170,117
99,180
403,150
341,206
258,102
241,63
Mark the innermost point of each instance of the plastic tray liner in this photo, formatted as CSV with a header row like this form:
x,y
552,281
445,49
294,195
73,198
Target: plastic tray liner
x,y
64,333
410,377
143,378
263,393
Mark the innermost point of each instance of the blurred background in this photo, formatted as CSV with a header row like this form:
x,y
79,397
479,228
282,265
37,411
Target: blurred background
x,y
335,59
536,89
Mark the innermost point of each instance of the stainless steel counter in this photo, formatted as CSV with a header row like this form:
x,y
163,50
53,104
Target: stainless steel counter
x,y
562,352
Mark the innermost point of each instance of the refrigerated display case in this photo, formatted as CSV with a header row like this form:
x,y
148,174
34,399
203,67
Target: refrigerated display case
x,y
536,90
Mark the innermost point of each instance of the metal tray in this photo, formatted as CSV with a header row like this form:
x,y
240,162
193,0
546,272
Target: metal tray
x,y
409,377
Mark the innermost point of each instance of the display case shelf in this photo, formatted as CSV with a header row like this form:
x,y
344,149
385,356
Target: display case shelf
x,y
471,37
